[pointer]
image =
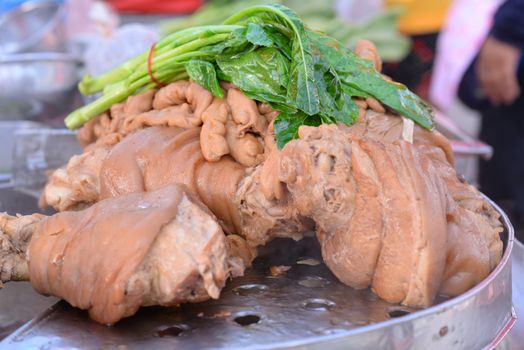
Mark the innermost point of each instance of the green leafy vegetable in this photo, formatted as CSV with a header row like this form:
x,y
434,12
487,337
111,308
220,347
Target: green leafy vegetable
x,y
286,126
359,76
204,73
302,89
267,53
279,39
262,74
256,35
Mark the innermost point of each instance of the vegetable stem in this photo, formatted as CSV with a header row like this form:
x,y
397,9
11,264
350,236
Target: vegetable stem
x,y
178,54
89,86
85,113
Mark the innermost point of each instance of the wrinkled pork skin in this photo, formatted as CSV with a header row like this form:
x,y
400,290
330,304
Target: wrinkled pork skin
x,y
156,248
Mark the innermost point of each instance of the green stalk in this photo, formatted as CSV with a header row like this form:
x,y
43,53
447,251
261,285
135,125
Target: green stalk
x,y
178,61
188,47
89,86
119,91
172,55
118,94
191,34
82,115
250,11
166,74
178,76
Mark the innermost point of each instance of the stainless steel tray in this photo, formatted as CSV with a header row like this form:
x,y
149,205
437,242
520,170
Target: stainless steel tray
x,y
304,308
515,338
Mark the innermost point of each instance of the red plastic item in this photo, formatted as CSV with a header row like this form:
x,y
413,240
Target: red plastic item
x,y
156,6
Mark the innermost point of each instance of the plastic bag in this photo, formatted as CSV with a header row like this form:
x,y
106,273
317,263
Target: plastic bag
x,y
104,54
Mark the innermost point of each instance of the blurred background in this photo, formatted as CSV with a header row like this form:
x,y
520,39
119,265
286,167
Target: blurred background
x,y
463,56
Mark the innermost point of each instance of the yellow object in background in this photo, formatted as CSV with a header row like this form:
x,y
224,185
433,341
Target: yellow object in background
x,y
421,16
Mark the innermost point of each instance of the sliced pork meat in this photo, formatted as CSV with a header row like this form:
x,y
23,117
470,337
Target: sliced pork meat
x,y
411,262
241,254
468,259
474,246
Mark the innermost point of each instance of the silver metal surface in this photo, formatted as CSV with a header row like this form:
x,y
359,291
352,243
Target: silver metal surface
x,y
20,303
515,339
33,26
14,201
33,82
304,308
38,150
462,143
7,137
